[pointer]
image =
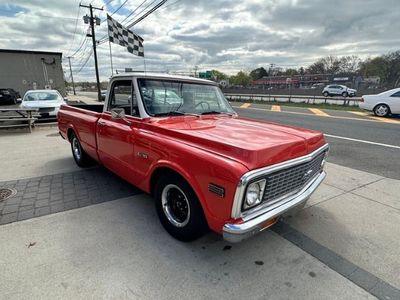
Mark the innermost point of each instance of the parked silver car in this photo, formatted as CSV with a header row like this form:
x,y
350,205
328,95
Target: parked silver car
x,y
47,102
338,90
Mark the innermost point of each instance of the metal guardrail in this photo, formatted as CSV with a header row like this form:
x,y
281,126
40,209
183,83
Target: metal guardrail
x,y
293,98
17,117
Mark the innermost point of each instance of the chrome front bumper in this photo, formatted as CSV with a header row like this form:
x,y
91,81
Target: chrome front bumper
x,y
237,232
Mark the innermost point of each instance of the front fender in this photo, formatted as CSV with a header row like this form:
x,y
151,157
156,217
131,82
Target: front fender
x,y
199,175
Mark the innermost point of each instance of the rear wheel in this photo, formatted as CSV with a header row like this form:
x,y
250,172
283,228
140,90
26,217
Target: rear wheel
x,y
381,110
179,209
80,156
326,94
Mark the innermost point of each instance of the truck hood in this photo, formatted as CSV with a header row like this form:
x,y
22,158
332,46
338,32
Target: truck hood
x,y
253,143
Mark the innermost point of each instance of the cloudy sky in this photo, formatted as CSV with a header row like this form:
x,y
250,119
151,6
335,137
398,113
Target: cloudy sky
x,y
228,35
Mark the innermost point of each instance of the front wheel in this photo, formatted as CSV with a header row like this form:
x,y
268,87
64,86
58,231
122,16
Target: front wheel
x,y
381,110
179,209
345,94
80,156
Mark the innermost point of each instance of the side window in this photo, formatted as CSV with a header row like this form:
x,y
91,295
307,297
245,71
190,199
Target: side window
x,y
397,94
122,96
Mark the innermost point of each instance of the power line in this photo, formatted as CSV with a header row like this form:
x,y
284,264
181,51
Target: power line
x,y
86,61
81,45
76,27
134,11
119,7
148,13
141,11
173,3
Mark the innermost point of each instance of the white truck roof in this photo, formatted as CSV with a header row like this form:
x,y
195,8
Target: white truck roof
x,y
163,76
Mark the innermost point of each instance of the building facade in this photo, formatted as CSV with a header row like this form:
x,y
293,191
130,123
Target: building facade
x,y
29,70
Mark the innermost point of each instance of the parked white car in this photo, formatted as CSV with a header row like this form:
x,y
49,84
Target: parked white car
x,y
382,104
48,102
338,90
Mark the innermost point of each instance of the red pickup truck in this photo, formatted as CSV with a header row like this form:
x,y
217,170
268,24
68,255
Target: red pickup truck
x,y
179,139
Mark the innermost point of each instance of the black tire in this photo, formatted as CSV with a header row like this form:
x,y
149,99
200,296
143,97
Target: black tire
x,y
345,94
188,227
382,110
80,156
326,94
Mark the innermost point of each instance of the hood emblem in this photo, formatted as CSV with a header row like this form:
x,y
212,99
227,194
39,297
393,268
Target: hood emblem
x,y
307,174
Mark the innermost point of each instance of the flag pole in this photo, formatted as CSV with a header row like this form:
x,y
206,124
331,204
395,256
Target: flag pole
x,y
112,69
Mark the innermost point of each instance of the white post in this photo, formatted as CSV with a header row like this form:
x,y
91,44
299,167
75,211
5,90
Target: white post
x,y
112,69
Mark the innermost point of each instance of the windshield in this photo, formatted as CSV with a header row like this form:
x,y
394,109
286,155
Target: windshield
x,y
164,97
42,96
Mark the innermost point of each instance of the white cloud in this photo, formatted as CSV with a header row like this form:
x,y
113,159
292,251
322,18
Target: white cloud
x,y
223,34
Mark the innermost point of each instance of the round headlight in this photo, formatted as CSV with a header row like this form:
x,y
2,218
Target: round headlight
x,y
254,193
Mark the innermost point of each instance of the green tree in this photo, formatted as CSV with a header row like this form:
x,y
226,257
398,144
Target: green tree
x,y
374,67
219,75
290,72
241,78
258,73
393,68
335,65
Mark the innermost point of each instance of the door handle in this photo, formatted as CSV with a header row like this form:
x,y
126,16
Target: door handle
x,y
101,123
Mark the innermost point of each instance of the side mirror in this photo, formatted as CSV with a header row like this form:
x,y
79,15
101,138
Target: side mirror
x,y
118,113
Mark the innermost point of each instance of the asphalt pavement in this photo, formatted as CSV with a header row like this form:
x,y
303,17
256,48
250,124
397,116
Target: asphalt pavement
x,y
361,142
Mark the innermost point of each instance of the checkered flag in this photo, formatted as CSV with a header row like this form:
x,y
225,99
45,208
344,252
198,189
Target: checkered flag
x,y
122,36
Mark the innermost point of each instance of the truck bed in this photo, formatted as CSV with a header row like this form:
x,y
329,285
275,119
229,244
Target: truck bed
x,y
82,120
92,107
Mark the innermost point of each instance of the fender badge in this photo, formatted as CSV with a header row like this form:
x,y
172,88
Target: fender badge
x,y
142,155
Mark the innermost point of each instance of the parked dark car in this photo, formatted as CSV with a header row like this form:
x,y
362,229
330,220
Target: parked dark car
x,y
9,96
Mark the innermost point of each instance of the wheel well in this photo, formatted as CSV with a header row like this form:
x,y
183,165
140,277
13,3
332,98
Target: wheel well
x,y
70,131
158,173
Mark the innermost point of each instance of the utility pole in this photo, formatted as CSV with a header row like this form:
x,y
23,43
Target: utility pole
x,y
72,77
91,21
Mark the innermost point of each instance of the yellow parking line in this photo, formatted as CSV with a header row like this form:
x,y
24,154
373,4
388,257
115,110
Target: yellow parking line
x,y
380,119
385,120
359,113
318,112
245,105
275,108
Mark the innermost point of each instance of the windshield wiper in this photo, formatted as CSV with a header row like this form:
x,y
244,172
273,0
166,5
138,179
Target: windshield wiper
x,y
174,113
214,112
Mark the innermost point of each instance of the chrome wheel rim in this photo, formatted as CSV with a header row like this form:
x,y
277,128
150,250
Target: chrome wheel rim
x,y
175,205
76,148
381,110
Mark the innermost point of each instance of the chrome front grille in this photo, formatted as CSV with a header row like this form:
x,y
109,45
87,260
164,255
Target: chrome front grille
x,y
291,180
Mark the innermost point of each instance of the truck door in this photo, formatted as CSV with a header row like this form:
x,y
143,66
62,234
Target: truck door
x,y
116,136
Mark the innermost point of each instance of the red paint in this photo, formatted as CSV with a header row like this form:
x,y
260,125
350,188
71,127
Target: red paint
x,y
215,149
